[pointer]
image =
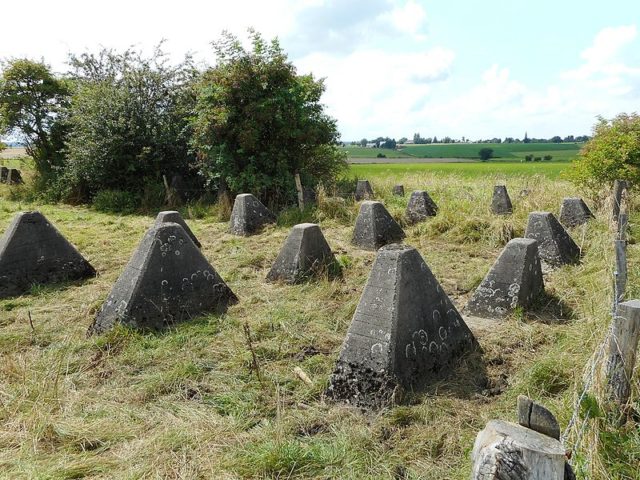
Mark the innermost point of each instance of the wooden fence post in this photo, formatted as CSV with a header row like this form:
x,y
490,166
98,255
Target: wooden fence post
x,y
621,269
300,191
619,186
621,355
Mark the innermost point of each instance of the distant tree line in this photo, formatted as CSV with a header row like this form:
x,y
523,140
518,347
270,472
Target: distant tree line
x,y
386,142
127,122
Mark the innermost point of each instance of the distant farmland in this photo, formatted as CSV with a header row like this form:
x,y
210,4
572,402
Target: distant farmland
x,y
561,152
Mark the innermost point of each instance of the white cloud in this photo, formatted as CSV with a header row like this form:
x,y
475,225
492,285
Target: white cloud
x,y
372,92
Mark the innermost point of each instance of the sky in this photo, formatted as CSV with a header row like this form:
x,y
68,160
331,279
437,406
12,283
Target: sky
x,y
473,69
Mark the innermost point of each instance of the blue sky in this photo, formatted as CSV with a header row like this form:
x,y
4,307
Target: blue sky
x,y
478,69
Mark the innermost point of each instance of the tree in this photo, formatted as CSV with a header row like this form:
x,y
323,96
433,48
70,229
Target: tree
x,y
485,154
257,122
556,139
612,153
363,142
547,158
403,140
33,106
128,122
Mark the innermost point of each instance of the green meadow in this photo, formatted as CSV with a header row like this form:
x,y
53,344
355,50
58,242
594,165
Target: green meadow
x,y
561,152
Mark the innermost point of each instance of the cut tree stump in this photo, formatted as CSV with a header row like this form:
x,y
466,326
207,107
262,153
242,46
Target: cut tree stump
x,y
506,451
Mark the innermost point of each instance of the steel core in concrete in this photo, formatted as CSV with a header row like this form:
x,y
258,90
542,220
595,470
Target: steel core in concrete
x,y
363,190
574,212
500,202
375,227
555,245
405,332
305,253
172,216
515,280
249,215
33,251
167,281
420,207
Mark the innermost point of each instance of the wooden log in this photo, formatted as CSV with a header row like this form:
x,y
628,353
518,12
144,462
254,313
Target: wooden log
x,y
506,451
621,354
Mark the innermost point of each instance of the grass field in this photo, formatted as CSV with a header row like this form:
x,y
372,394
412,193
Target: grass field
x,y
186,403
560,152
468,170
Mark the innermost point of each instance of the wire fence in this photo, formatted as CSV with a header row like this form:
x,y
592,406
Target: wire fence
x,y
584,412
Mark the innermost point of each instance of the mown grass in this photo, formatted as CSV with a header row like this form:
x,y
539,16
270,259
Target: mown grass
x,y
186,403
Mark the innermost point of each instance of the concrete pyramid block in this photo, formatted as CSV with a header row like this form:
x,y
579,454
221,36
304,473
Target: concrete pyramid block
x,y
4,171
32,251
501,203
304,253
167,281
515,280
574,212
398,190
363,190
171,216
420,207
555,245
14,177
375,227
249,215
405,332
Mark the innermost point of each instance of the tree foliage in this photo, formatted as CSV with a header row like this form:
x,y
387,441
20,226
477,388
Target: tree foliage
x,y
33,105
485,154
612,153
257,122
129,121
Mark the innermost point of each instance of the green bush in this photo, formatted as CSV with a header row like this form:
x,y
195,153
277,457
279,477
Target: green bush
x,y
115,201
257,123
612,153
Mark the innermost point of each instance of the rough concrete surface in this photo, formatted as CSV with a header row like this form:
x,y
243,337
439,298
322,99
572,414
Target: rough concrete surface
x,y
574,212
420,207
363,190
249,215
171,216
404,334
305,253
33,251
375,227
515,280
500,202
167,281
555,245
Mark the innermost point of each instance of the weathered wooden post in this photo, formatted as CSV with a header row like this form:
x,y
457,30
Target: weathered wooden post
x,y
619,186
300,191
505,450
621,355
621,269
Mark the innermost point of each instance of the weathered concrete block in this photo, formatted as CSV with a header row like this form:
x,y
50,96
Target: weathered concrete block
x,y
515,280
375,227
14,177
536,417
420,207
4,171
32,251
405,332
574,212
167,281
506,451
555,245
363,190
398,190
304,254
500,202
249,215
171,216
